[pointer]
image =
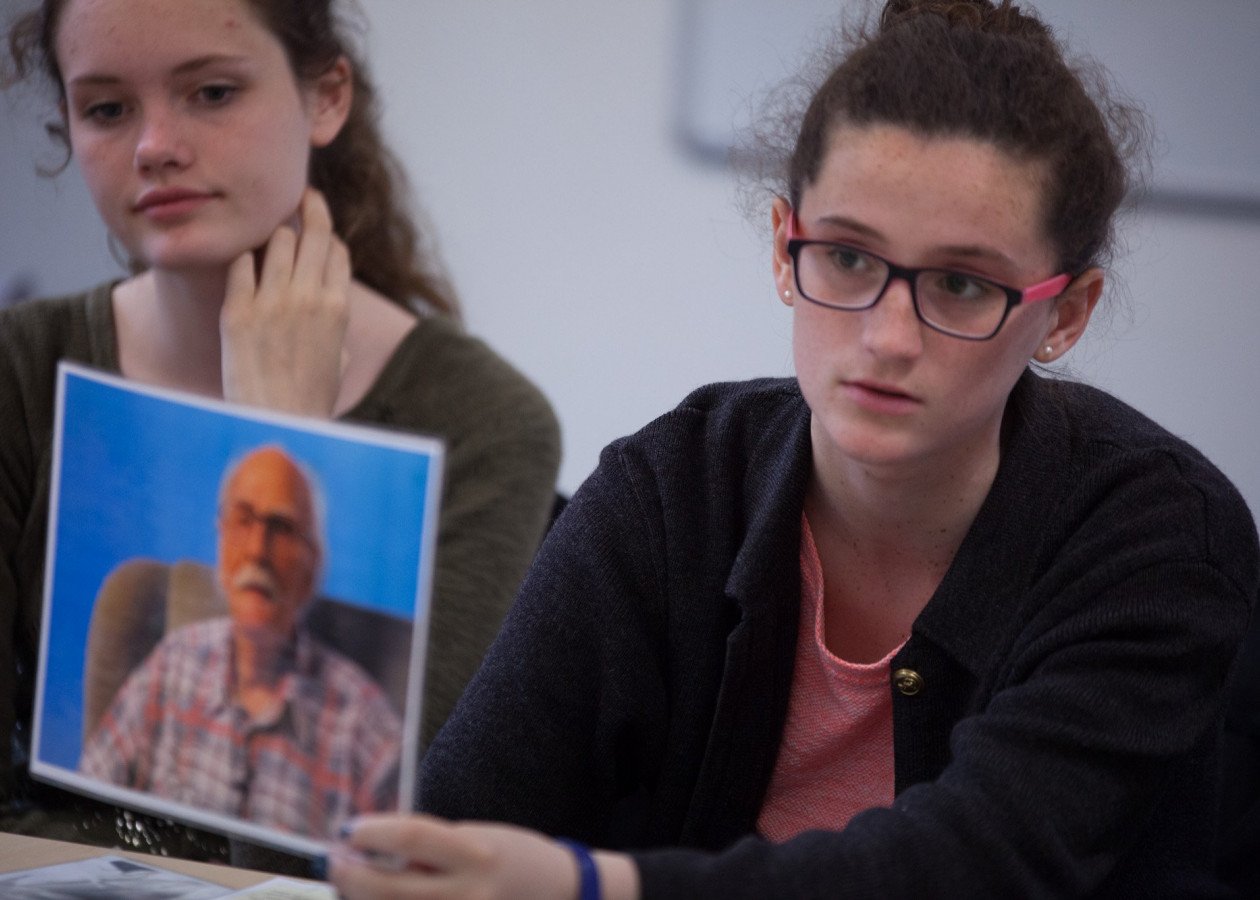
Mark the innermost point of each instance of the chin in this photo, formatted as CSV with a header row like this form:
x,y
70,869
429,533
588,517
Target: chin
x,y
189,254
878,456
861,443
191,266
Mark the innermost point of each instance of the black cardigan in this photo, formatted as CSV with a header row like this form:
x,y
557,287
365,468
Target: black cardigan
x,y
1071,665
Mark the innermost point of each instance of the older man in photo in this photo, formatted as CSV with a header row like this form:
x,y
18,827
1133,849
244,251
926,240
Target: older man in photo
x,y
248,715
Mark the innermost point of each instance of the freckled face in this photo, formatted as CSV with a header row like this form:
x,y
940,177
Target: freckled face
x,y
883,388
187,123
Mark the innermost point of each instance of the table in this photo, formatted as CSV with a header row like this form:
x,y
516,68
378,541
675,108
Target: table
x,y
19,851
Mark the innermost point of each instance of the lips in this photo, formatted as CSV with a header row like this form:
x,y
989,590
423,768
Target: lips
x,y
880,397
876,387
170,201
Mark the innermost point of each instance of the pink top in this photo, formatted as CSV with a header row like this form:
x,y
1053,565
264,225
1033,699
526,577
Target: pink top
x,y
836,758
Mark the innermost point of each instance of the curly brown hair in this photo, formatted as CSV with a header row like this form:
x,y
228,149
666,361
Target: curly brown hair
x,y
984,70
363,181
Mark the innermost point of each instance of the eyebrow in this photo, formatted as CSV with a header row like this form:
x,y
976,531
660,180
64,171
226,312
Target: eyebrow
x,y
966,251
184,68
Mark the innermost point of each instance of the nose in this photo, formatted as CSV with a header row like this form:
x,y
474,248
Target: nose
x,y
891,327
258,541
161,143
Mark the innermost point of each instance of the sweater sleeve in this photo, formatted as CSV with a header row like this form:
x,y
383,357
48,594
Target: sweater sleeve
x,y
502,455
16,482
32,336
538,736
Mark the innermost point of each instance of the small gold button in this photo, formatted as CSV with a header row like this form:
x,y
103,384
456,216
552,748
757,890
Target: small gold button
x,y
908,681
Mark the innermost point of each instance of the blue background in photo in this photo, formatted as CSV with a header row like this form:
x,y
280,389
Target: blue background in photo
x,y
140,476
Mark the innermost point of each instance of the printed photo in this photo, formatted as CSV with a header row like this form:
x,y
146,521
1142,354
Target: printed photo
x,y
236,613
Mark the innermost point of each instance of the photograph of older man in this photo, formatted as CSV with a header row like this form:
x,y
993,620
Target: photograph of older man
x,y
248,715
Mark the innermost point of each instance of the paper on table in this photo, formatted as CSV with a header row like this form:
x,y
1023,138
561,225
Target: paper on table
x,y
287,889
109,876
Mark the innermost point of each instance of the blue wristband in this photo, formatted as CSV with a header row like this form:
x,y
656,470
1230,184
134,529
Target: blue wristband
x,y
588,874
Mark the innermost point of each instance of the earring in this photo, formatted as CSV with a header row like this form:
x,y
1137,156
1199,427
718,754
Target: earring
x,y
787,295
1047,351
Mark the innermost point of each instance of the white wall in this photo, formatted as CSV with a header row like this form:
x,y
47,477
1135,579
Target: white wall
x,y
617,271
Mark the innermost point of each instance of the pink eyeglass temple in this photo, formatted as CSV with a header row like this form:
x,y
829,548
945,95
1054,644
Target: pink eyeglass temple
x,y
1042,290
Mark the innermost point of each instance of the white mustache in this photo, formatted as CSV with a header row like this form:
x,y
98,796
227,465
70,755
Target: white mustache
x,y
255,577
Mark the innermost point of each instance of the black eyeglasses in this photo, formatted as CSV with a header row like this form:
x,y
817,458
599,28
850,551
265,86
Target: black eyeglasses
x,y
961,305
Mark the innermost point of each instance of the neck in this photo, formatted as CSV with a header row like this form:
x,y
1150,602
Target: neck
x,y
890,514
259,664
258,668
168,329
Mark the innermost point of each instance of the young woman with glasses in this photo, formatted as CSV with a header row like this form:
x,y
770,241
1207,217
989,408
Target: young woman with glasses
x,y
918,622
233,150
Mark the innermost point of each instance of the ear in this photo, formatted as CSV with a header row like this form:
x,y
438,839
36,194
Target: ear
x,y
330,97
781,262
1072,311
